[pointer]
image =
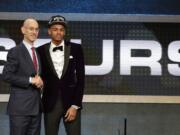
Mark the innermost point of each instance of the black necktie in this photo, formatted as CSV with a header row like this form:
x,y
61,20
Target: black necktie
x,y
58,48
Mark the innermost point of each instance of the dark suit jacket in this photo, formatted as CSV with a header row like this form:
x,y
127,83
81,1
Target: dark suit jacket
x,y
24,98
71,83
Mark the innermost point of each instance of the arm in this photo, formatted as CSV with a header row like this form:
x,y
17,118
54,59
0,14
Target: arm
x,y
80,74
79,89
10,69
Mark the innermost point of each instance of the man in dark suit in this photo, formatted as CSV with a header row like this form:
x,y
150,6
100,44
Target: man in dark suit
x,y
63,76
21,71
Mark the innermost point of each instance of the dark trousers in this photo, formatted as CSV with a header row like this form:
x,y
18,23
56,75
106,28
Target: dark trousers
x,y
53,118
25,125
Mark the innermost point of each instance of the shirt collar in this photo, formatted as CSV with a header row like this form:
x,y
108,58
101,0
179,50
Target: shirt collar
x,y
52,45
27,45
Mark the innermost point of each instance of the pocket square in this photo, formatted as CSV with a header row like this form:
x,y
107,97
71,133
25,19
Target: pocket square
x,y
71,57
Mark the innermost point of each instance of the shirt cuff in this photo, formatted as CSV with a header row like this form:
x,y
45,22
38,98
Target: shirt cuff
x,y
30,80
75,107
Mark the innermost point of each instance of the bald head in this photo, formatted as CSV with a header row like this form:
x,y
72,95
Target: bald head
x,y
29,21
30,30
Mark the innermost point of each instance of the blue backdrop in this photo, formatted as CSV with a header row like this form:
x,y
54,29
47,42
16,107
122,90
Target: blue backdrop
x,y
157,7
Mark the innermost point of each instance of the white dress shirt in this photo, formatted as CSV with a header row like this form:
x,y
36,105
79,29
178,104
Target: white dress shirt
x,y
57,58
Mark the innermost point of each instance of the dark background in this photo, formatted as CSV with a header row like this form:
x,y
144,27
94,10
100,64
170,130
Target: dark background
x,y
92,34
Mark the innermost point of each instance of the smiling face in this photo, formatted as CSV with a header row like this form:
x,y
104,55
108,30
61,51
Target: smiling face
x,y
30,30
57,33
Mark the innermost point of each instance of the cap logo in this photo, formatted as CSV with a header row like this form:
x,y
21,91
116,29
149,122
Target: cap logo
x,y
58,19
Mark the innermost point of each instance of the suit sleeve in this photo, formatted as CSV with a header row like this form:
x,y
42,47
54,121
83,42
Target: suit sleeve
x,y
10,70
80,74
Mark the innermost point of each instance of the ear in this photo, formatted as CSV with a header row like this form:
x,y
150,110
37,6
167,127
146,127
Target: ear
x,y
49,31
22,30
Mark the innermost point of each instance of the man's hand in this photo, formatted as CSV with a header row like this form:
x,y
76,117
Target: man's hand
x,y
70,114
37,81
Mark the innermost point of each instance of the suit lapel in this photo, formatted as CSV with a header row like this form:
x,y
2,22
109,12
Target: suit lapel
x,y
27,58
67,49
49,59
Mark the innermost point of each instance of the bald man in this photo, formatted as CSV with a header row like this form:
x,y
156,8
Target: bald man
x,y
22,72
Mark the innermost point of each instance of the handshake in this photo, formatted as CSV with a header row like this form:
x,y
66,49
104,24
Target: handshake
x,y
37,81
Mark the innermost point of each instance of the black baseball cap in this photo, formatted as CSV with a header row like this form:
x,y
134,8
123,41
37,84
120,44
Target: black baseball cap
x,y
57,20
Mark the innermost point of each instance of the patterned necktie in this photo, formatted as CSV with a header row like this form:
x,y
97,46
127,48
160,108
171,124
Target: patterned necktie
x,y
34,59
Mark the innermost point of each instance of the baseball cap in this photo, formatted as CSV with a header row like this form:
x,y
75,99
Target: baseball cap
x,y
57,20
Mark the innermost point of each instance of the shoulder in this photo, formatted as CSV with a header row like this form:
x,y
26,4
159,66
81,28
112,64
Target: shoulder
x,y
15,50
42,47
14,53
73,45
